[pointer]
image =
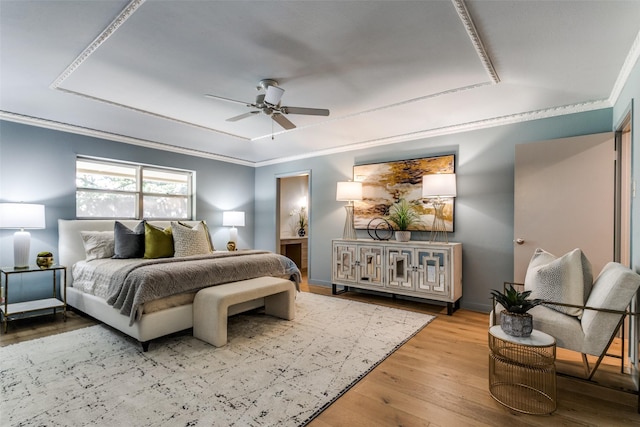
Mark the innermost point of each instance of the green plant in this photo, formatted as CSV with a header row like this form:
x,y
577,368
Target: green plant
x,y
302,219
514,301
299,220
403,215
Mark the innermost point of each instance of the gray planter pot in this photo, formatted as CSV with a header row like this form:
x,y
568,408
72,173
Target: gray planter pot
x,y
516,324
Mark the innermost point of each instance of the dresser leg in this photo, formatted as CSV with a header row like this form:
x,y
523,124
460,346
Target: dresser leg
x,y
335,291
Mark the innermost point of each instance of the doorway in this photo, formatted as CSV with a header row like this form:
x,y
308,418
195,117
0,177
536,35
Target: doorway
x,y
293,231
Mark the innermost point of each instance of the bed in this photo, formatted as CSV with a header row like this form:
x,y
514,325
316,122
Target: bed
x,y
155,313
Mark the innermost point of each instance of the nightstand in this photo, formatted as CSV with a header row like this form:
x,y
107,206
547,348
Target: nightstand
x,y
53,303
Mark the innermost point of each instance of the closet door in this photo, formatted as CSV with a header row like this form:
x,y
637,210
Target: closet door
x,y
564,199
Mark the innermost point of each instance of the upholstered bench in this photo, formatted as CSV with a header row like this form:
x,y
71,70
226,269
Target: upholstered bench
x,y
211,305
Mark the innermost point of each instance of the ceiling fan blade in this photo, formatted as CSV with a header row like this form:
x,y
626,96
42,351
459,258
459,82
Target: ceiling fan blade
x,y
248,104
307,111
242,116
282,121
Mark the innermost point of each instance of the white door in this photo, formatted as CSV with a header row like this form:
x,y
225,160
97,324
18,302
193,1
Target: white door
x,y
564,199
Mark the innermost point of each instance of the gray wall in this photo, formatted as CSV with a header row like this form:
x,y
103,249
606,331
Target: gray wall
x,y
483,207
38,166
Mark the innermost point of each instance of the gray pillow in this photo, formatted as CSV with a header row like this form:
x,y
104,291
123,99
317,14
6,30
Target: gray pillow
x,y
128,243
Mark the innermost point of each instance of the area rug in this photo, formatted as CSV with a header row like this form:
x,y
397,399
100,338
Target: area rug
x,y
272,372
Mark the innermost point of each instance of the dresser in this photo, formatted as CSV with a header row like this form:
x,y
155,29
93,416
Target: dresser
x,y
432,271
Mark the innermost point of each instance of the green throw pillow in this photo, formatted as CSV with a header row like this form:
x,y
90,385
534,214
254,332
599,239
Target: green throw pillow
x,y
158,243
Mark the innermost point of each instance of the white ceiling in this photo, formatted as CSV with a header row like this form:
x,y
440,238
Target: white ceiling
x,y
389,71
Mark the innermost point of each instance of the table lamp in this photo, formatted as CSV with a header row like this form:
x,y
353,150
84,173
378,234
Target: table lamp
x,y
435,188
21,216
233,219
349,191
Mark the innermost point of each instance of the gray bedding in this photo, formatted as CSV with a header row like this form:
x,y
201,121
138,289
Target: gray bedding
x,y
130,285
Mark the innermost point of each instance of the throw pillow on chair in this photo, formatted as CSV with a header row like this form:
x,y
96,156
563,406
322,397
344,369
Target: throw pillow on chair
x,y
566,280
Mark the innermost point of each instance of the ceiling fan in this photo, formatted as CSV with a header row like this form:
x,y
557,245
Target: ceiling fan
x,y
269,103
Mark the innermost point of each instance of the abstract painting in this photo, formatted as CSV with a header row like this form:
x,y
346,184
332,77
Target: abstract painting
x,y
384,184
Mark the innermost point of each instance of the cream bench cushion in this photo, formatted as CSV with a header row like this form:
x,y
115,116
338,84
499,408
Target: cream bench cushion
x,y
211,305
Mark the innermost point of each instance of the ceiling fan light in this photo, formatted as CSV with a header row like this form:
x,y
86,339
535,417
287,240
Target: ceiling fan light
x,y
273,95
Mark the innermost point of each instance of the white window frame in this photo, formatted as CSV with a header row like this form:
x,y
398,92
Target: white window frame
x,y
138,192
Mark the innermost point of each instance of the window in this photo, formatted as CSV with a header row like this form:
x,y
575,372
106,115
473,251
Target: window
x,y
109,189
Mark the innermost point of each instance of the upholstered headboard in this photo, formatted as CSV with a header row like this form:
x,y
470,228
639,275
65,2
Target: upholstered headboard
x,y
70,246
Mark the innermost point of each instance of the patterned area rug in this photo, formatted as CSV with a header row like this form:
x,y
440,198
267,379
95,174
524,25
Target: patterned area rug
x,y
271,373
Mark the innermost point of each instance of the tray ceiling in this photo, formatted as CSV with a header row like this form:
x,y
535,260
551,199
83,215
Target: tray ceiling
x,y
388,71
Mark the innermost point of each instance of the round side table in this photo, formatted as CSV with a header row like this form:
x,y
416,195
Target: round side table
x,y
522,371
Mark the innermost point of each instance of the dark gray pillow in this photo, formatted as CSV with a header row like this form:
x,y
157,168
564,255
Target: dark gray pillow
x,y
128,243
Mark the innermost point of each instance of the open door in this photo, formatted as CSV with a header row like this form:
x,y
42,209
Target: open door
x,y
564,199
293,210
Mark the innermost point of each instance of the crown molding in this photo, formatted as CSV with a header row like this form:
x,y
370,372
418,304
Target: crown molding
x,y
447,130
79,130
625,71
472,32
150,113
97,42
427,133
126,13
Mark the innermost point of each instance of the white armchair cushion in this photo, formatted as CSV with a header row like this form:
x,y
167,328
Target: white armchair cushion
x,y
567,330
567,279
612,290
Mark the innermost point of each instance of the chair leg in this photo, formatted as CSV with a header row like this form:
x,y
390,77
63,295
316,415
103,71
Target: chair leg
x,y
586,364
622,349
595,367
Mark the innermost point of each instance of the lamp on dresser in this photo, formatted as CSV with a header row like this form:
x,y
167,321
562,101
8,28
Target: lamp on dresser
x,y
349,191
21,216
436,188
233,219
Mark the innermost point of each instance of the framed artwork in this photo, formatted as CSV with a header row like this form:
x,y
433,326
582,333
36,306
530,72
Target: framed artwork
x,y
384,184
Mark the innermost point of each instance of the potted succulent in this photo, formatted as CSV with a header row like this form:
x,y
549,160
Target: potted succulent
x,y
403,216
514,319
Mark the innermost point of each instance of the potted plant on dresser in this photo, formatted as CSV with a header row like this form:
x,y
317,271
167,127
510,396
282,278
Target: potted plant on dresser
x,y
514,319
403,216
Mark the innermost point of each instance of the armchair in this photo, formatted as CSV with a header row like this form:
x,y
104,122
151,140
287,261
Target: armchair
x,y
602,315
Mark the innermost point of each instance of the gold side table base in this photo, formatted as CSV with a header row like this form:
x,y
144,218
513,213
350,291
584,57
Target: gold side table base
x,y
522,372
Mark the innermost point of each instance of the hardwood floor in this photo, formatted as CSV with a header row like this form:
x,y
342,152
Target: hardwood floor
x,y
438,378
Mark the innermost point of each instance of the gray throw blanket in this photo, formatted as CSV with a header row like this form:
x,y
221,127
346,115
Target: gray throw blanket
x,y
132,286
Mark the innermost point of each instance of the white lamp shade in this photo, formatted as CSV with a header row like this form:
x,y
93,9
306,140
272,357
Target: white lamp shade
x,y
233,219
439,185
348,191
21,215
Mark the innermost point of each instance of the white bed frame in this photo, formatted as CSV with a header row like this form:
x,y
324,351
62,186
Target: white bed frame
x,y
150,326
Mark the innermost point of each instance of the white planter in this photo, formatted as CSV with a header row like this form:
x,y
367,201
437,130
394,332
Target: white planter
x,y
403,236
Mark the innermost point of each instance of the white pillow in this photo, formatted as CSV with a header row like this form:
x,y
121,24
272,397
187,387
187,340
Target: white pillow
x,y
98,244
566,280
190,241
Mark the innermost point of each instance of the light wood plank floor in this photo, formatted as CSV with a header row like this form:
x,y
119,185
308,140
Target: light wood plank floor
x,y
438,378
